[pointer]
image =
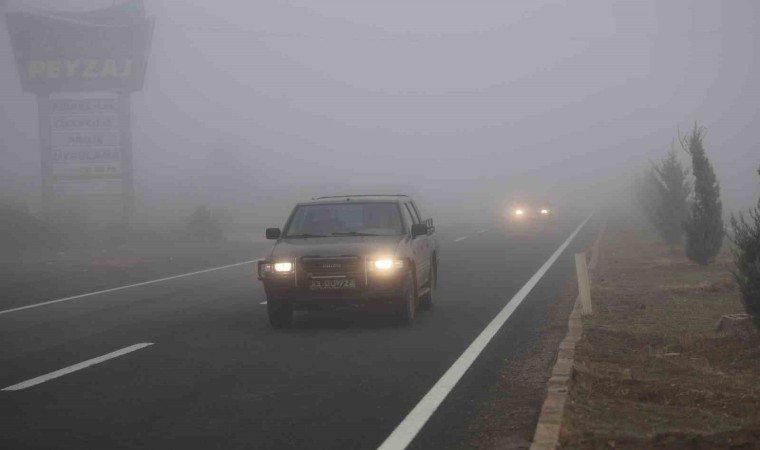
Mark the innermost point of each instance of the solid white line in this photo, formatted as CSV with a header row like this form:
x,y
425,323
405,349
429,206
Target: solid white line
x,y
460,239
20,308
400,438
75,367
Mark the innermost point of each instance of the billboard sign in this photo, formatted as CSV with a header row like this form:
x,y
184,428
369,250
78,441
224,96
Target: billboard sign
x,y
82,66
102,50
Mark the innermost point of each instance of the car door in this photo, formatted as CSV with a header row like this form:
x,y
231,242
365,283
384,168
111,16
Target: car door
x,y
420,248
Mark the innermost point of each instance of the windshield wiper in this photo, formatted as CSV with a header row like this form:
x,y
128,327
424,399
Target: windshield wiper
x,y
305,235
355,233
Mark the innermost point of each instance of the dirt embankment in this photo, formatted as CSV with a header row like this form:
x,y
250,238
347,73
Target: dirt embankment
x,y
650,371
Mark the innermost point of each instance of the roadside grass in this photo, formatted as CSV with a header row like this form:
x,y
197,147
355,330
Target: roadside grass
x,y
650,370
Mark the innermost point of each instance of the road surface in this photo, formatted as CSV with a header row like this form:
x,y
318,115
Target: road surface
x,y
191,362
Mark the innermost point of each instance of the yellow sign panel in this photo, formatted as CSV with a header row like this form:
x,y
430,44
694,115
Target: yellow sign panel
x,y
80,68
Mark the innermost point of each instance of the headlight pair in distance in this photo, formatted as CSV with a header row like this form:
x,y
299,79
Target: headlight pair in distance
x,y
521,212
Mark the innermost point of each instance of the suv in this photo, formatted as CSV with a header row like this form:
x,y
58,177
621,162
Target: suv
x,y
368,251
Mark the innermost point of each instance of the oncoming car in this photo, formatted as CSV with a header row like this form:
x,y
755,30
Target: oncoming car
x,y
371,252
525,213
530,214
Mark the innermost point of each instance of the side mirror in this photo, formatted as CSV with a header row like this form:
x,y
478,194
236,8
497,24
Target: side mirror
x,y
273,233
419,229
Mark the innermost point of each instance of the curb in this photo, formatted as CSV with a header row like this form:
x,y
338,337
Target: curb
x,y
549,423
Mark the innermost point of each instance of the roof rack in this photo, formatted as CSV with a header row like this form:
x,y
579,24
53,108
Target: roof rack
x,y
362,195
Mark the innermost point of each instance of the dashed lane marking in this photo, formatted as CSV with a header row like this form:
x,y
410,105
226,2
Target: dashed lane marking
x,y
460,239
75,367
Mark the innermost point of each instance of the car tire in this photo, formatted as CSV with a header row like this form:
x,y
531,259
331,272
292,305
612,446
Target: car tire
x,y
408,310
280,316
427,301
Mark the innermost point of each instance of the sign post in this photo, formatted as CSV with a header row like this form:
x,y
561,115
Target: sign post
x,y
128,182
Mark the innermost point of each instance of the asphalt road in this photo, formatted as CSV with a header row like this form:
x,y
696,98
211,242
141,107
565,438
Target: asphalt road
x,y
217,376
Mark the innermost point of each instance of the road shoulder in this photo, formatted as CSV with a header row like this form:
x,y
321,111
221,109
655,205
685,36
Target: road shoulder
x,y
508,419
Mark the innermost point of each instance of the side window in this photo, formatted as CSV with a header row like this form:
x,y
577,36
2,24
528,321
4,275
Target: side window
x,y
416,212
412,213
295,222
408,221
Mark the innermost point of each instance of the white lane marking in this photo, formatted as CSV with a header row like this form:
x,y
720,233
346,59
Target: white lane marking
x,y
20,308
400,438
460,239
482,231
263,303
75,367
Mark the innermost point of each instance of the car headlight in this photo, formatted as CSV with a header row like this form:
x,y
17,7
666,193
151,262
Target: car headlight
x,y
519,212
544,211
268,269
283,267
387,264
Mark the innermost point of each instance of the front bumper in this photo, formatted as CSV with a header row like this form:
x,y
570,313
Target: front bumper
x,y
530,219
373,290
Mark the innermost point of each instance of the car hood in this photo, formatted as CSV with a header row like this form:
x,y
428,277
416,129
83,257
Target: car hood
x,y
336,246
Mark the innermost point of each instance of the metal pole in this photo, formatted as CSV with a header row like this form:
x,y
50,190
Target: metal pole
x,y
128,187
43,117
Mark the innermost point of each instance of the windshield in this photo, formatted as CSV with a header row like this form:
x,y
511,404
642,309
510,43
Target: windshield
x,y
337,219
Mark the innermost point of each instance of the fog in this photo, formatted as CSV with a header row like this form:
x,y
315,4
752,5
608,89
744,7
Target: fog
x,y
252,106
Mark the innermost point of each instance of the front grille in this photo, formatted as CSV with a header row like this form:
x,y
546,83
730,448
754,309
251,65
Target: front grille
x,y
317,266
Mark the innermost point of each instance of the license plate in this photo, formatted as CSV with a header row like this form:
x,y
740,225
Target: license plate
x,y
343,283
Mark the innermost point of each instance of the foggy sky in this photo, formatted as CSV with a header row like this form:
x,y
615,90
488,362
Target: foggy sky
x,y
254,103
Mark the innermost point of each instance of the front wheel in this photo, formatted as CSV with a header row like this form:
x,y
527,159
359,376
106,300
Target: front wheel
x,y
428,300
280,316
408,310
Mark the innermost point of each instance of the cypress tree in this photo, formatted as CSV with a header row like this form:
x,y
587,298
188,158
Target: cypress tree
x,y
746,237
648,196
704,225
673,191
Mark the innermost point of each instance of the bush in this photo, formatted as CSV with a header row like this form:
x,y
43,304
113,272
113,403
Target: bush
x,y
704,224
21,231
204,226
746,237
